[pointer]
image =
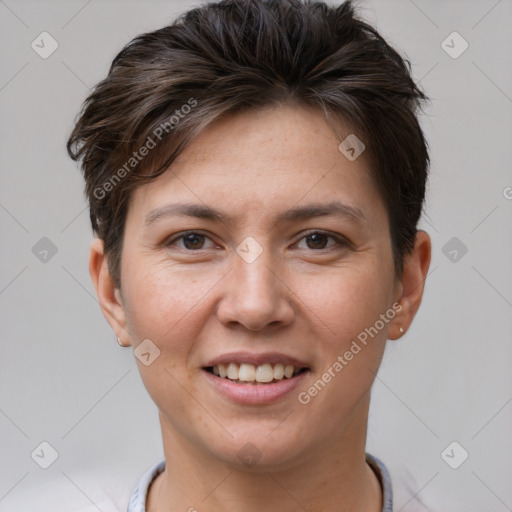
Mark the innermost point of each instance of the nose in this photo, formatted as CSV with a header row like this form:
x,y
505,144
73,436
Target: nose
x,y
256,295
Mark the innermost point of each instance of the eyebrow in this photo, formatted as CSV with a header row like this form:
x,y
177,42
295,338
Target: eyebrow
x,y
201,211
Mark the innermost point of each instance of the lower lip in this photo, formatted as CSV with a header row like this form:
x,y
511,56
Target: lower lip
x,y
254,393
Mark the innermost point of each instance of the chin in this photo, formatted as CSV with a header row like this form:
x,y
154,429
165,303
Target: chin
x,y
259,449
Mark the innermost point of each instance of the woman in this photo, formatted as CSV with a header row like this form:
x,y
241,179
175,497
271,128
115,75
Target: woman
x,y
255,174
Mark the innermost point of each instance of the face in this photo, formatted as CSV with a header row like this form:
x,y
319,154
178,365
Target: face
x,y
261,247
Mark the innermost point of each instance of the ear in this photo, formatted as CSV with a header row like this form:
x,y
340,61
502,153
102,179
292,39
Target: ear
x,y
412,284
108,295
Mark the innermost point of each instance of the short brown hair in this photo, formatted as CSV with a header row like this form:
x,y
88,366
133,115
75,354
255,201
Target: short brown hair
x,y
236,55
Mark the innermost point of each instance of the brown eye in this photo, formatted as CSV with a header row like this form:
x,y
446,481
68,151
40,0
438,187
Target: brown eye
x,y
318,240
191,241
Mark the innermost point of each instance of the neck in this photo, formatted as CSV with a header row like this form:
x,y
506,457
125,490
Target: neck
x,y
332,477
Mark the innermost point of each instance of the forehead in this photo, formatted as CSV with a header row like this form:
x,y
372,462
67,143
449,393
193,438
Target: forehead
x,y
276,138
268,158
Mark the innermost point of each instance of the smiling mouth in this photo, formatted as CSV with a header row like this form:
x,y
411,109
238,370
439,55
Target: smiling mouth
x,y
245,373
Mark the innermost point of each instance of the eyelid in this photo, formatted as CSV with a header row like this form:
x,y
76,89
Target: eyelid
x,y
182,234
340,239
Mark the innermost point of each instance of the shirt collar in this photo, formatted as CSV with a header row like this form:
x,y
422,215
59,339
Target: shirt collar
x,y
138,498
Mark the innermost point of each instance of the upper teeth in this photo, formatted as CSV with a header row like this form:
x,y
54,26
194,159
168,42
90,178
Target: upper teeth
x,y
249,373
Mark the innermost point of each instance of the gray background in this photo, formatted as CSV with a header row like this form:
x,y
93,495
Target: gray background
x,y
64,379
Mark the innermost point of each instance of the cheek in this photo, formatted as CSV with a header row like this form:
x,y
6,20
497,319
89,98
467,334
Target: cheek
x,y
167,306
164,304
345,303
350,338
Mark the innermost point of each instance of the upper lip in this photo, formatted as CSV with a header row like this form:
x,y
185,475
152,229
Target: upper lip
x,y
256,359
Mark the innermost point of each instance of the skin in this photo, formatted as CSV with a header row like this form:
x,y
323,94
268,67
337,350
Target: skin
x,y
307,297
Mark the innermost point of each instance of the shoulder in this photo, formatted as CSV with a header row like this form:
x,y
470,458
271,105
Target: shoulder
x,y
382,473
138,498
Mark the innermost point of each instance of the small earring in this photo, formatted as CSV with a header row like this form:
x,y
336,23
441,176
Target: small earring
x,y
401,329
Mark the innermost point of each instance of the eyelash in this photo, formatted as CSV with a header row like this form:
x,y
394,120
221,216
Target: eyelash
x,y
341,241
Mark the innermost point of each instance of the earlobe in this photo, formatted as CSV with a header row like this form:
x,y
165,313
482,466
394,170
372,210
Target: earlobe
x,y
416,265
109,296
